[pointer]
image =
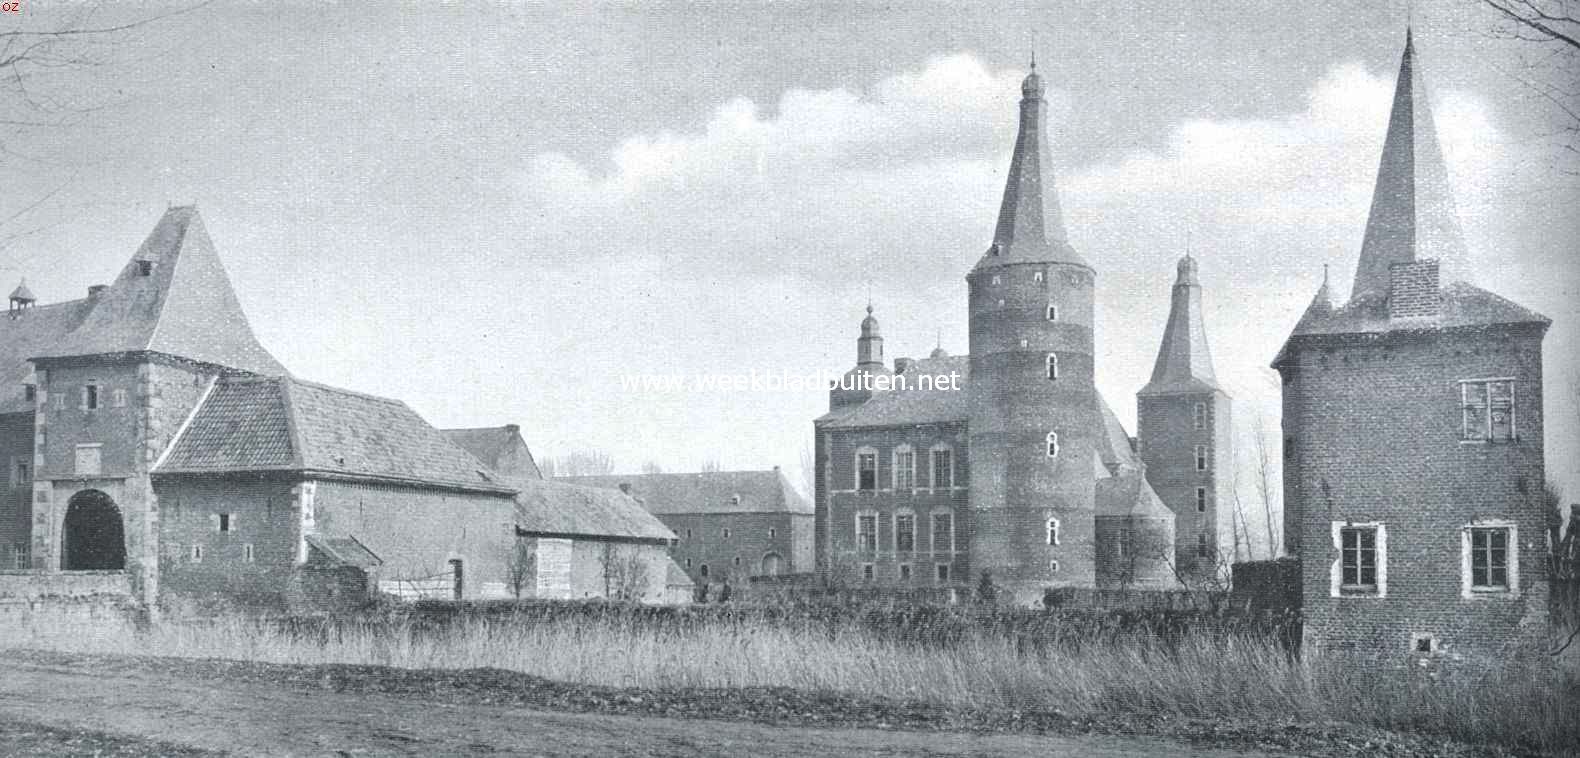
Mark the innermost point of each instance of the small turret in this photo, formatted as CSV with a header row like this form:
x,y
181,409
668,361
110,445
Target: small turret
x,y
869,375
21,299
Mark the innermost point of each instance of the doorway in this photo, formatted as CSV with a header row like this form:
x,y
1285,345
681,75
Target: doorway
x,y
93,539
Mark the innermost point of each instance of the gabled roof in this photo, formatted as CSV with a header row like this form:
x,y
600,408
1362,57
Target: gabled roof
x,y
551,508
1184,362
1030,222
259,424
341,551
911,405
501,448
1129,494
1412,214
707,492
184,306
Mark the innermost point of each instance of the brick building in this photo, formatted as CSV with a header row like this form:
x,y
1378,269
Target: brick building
x,y
1007,461
728,524
1413,423
582,542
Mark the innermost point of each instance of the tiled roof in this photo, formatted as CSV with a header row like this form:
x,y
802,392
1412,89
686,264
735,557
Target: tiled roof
x,y
32,332
493,444
1129,495
342,551
1030,223
183,307
1114,445
1184,362
555,508
285,424
911,405
707,492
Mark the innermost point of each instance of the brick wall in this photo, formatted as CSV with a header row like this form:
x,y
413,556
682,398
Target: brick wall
x,y
260,518
16,497
752,537
1143,559
1413,290
1168,438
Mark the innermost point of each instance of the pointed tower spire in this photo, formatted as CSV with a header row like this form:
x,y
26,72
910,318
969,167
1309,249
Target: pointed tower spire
x,y
869,346
1030,222
1412,213
1184,362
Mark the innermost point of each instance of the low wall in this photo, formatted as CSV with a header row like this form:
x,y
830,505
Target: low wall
x,y
64,601
33,585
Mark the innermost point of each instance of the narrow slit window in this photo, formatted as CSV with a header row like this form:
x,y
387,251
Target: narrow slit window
x,y
1052,442
1053,365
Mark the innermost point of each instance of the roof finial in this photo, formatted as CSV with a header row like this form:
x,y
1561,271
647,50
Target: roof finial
x,y
1034,54
1324,274
869,297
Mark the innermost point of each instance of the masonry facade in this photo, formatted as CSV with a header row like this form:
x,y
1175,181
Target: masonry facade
x,y
1413,451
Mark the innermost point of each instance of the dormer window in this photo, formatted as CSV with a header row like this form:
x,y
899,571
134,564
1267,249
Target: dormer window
x,y
145,268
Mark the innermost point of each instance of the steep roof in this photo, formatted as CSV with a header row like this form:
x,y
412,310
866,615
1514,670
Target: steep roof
x,y
1412,213
31,332
911,405
183,306
707,492
1030,222
501,448
341,551
1184,362
1129,494
548,507
285,424
1114,445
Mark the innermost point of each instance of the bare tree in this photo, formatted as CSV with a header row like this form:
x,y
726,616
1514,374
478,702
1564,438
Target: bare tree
x,y
652,467
1551,28
808,472
1267,484
522,567
625,575
578,463
711,466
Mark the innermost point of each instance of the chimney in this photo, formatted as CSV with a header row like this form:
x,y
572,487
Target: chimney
x,y
901,364
625,487
1413,290
512,428
94,291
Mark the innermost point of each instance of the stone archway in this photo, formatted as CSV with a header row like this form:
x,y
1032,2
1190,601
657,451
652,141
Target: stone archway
x,y
773,565
94,537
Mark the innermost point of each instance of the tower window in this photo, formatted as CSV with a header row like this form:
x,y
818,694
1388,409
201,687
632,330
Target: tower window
x,y
866,572
29,392
726,533
247,553
225,522
1122,547
1489,559
772,533
943,533
905,572
196,556
1053,313
995,281
1053,531
1201,457
1358,558
145,268
1053,365
1201,499
943,572
1203,550
1200,419
703,571
21,472
1036,276
1052,441
118,397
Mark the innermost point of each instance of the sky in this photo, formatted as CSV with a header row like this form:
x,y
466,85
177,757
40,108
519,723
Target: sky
x,y
495,212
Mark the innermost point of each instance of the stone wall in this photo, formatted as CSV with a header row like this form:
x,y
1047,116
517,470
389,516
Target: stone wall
x,y
752,536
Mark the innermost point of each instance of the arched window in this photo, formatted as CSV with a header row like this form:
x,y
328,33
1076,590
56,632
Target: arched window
x,y
1053,531
1053,365
1053,312
1200,416
1036,276
1053,444
904,468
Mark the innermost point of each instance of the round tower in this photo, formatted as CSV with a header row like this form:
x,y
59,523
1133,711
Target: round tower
x,y
1035,417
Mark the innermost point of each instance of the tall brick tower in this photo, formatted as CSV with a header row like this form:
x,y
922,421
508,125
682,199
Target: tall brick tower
x,y
1413,459
1034,423
1184,428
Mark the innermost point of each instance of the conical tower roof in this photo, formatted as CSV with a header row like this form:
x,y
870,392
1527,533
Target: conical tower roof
x,y
1184,362
22,294
1412,213
1030,222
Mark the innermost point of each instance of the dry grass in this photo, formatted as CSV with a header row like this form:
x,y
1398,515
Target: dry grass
x,y
1204,676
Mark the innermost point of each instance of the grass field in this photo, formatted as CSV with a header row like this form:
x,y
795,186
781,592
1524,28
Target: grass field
x,y
1205,675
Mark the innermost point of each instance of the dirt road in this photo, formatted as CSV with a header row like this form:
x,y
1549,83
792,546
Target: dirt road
x,y
258,719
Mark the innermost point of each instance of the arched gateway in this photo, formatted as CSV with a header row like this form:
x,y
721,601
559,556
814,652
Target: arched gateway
x,y
94,538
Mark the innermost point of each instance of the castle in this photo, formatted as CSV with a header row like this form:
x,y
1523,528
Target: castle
x,y
1412,417
1007,462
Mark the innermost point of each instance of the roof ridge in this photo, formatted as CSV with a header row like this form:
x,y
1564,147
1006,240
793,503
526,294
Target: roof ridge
x,y
344,391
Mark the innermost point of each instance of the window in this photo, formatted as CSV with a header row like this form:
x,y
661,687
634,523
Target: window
x,y
995,281
118,397
1122,547
904,468
1487,407
1053,312
737,560
1199,419
904,532
1053,567
1053,444
29,392
145,268
726,533
1289,448
1201,499
688,564
704,571
1024,343
688,535
943,533
772,533
1001,302
21,472
88,460
196,556
1489,559
90,397
1201,457
1203,547
942,570
867,531
246,553
1424,644
905,572
943,469
1053,365
1053,531
21,556
225,522
1036,276
1358,559
866,572
866,471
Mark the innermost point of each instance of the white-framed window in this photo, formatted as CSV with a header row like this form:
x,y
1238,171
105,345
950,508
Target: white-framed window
x,y
867,531
1360,566
943,533
1036,276
1487,410
1201,499
1052,444
904,532
247,555
88,459
866,470
1201,457
118,397
22,556
1489,558
1199,416
1053,566
995,280
866,572
1052,365
196,554
943,459
1053,530
1053,312
941,571
904,468
905,572
90,397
